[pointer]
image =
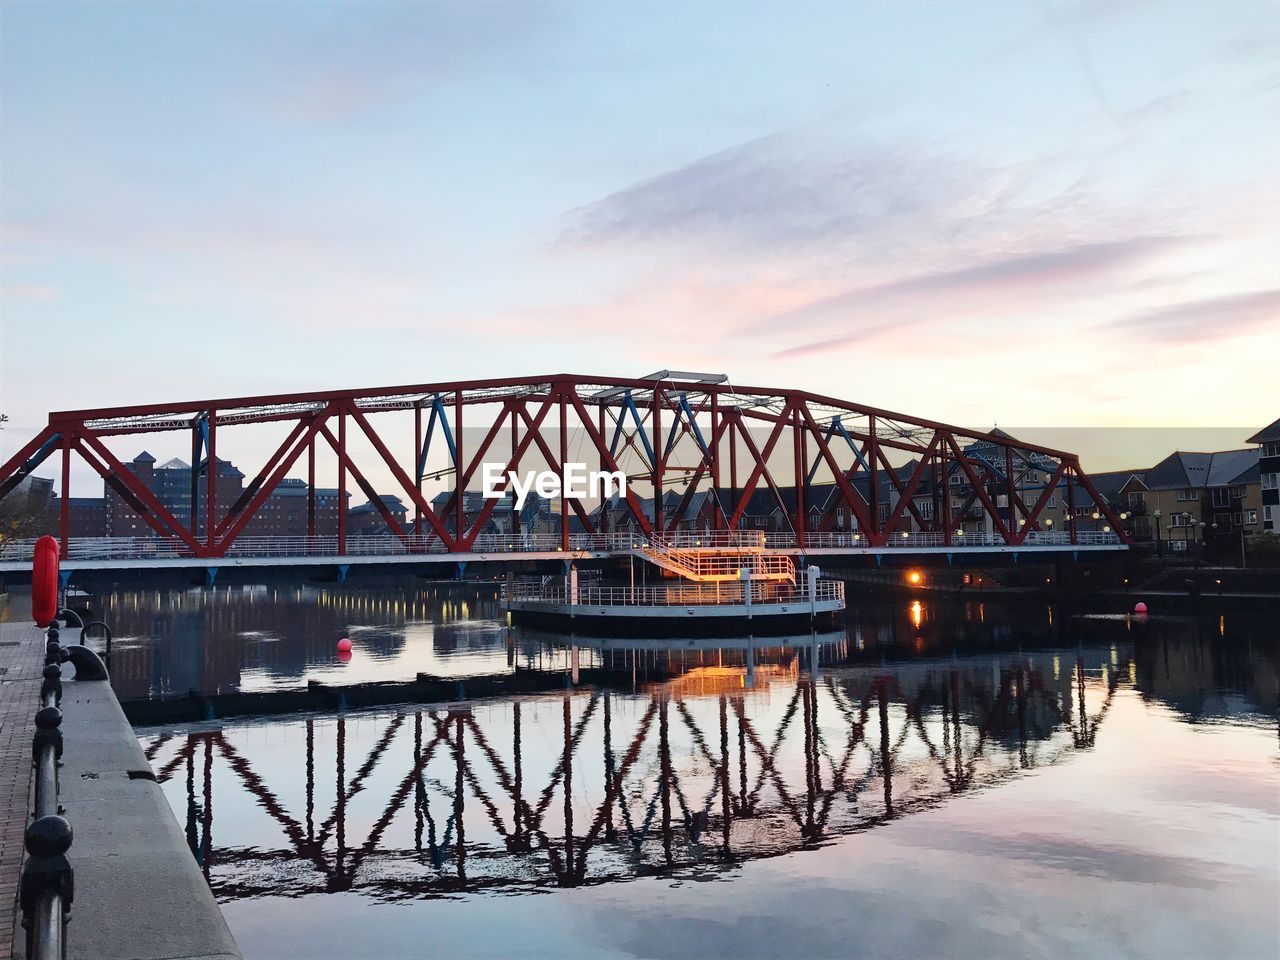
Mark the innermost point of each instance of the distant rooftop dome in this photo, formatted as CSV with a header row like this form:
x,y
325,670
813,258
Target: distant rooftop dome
x,y
174,464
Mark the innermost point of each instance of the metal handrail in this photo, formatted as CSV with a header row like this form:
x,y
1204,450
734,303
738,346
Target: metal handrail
x,y
686,595
47,886
157,548
717,563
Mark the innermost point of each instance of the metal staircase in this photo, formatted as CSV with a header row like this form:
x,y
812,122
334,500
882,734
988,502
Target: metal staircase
x,y
716,563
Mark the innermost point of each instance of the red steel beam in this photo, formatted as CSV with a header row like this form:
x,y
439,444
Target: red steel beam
x,y
883,432
850,496
10,475
461,388
282,468
374,498
513,463
402,478
159,517
981,490
256,484
607,459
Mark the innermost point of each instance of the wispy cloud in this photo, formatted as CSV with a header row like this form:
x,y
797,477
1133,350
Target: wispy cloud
x,y
1208,319
1048,270
838,343
785,192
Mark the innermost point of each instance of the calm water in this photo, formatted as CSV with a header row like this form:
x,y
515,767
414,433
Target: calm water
x,y
958,780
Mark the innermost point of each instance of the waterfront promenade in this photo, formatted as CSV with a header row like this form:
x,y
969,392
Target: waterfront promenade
x,y
22,646
139,894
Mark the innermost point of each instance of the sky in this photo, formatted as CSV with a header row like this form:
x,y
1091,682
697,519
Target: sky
x,y
1052,214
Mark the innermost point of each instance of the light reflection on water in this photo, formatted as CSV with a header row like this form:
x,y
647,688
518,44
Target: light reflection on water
x,y
982,782
171,640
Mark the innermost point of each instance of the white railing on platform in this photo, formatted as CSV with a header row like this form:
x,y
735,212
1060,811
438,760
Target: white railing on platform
x,y
681,595
912,541
157,548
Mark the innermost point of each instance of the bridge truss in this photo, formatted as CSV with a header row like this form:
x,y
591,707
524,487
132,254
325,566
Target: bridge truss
x,y
690,433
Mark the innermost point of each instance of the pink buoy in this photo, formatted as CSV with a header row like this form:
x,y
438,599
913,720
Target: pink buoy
x,y
1139,607
344,645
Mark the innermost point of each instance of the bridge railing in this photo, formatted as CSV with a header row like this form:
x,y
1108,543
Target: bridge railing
x,y
918,539
676,595
157,548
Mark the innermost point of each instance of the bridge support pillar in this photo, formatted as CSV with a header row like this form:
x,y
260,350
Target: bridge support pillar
x,y
462,569
64,577
950,558
1015,559
210,576
879,559
343,569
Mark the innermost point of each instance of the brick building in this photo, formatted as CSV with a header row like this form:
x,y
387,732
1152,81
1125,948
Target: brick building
x,y
366,519
285,512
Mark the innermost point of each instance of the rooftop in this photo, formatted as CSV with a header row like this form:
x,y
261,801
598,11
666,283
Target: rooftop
x,y
1267,434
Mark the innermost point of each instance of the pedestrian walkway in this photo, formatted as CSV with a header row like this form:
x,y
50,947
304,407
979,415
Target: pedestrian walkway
x,y
21,663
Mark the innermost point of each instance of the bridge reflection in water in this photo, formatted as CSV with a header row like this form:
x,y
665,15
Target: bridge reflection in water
x,y
692,775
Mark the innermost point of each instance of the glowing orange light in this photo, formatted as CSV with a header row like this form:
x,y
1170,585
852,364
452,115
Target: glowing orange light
x,y
917,614
914,577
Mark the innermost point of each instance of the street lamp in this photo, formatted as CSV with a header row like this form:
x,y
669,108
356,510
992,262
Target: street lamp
x,y
1159,544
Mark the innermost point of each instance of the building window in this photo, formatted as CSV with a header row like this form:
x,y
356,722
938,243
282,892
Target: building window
x,y
1250,516
1270,481
1221,496
1134,498
925,508
1187,494
1271,448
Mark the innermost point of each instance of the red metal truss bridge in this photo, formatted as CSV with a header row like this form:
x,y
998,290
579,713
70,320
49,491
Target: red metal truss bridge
x,y
670,431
